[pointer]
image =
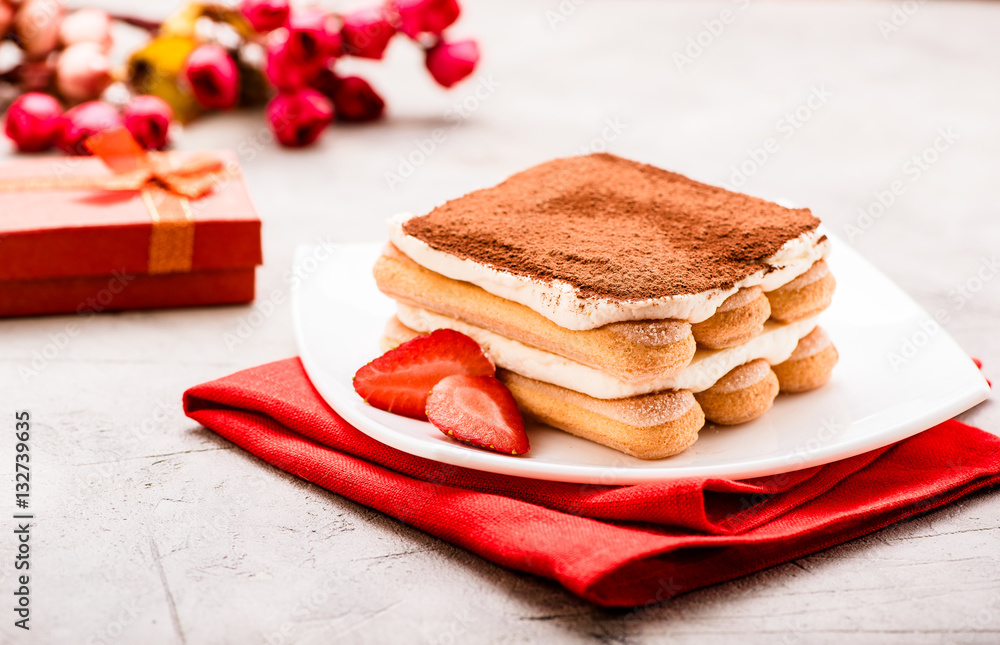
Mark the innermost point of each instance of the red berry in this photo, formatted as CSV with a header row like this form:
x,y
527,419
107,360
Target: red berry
x,y
265,15
148,118
425,16
334,41
308,37
213,77
400,380
298,117
86,119
449,63
33,121
326,82
284,71
355,100
479,410
366,33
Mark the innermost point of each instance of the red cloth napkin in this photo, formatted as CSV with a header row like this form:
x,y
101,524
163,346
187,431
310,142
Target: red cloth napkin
x,y
612,545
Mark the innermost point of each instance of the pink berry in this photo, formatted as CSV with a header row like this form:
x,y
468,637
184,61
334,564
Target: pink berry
x,y
87,26
86,119
36,25
34,121
297,118
366,33
449,63
265,15
213,77
425,16
83,71
148,118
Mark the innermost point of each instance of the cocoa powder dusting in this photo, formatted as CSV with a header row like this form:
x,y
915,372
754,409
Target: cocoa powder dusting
x,y
613,228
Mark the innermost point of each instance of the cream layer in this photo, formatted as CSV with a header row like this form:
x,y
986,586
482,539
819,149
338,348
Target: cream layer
x,y
775,344
562,303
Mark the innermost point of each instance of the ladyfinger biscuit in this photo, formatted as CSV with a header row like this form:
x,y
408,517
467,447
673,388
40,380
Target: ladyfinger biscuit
x,y
743,394
651,426
632,351
805,296
810,365
738,319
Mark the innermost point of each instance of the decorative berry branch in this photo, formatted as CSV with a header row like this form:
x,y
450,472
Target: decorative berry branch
x,y
208,57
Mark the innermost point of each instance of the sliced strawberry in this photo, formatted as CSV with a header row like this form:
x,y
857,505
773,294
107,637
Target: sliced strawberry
x,y
479,410
400,380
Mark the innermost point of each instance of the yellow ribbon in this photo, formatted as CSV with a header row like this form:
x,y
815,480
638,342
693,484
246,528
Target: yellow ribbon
x,y
165,183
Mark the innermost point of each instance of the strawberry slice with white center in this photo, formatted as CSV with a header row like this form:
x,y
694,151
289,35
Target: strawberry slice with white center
x,y
400,380
479,410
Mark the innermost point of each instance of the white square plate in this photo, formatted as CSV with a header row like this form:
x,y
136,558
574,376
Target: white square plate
x,y
899,373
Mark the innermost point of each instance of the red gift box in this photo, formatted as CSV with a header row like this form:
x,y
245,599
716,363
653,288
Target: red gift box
x,y
125,230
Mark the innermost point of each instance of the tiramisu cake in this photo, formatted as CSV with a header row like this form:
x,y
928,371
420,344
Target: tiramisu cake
x,y
620,302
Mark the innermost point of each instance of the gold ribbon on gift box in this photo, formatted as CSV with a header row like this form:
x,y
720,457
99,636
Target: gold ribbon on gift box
x,y
166,183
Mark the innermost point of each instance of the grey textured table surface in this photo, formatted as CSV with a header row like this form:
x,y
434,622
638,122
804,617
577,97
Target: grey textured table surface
x,y
152,530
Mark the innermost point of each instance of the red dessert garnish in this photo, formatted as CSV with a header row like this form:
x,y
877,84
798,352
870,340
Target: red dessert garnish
x,y
478,410
400,380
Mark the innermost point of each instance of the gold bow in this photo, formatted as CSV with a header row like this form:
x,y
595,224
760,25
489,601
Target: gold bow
x,y
166,184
